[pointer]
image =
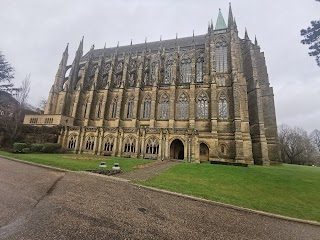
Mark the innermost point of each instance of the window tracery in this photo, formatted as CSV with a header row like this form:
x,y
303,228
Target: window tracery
x,y
99,109
119,67
183,107
152,146
203,106
185,70
221,56
199,69
90,143
72,142
168,73
130,145
130,107
164,107
146,107
223,107
108,144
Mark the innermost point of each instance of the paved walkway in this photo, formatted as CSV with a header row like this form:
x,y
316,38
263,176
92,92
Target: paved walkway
x,y
148,172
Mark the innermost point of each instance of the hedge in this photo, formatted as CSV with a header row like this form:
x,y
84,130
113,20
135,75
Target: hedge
x,y
36,147
17,147
50,147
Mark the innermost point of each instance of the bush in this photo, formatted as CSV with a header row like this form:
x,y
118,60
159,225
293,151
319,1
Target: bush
x,y
17,147
36,147
50,147
25,150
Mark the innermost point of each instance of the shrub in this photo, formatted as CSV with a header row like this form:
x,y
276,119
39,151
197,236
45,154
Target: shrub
x,y
50,147
25,150
61,151
36,147
17,147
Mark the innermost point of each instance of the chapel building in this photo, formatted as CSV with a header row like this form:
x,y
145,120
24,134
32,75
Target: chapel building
x,y
196,99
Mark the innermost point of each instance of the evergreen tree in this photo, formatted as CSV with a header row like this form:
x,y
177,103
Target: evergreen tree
x,y
312,37
6,74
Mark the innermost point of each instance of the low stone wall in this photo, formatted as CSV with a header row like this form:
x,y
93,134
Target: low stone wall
x,y
37,134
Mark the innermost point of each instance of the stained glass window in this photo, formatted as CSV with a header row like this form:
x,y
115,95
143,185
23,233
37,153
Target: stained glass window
x,y
130,107
185,71
221,56
146,107
223,107
168,73
164,107
108,144
183,107
199,69
203,106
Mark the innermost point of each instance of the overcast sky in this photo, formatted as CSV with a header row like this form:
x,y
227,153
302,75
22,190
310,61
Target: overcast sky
x,y
34,34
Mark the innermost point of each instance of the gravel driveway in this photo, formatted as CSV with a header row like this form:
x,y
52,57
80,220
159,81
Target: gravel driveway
x,y
37,203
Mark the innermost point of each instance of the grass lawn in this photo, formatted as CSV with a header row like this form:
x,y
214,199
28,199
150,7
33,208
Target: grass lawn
x,y
77,162
286,190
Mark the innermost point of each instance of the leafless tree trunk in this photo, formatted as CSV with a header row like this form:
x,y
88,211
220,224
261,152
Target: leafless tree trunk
x,y
315,138
11,122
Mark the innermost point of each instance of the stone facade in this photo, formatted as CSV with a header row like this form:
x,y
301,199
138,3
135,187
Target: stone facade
x,y
197,98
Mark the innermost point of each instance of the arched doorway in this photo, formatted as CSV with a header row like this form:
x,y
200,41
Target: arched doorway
x,y
204,152
177,150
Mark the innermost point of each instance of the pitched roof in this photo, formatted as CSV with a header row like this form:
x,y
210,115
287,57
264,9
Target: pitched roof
x,y
171,43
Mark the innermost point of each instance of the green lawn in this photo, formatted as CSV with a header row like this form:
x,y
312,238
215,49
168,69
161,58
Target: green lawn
x,y
286,190
59,160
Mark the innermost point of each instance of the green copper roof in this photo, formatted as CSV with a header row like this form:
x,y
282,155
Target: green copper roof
x,y
221,24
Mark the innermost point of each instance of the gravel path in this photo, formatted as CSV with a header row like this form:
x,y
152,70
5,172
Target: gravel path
x,y
149,172
55,205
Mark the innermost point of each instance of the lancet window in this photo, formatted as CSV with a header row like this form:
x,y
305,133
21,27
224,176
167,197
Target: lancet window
x,y
168,72
99,109
152,146
185,70
108,144
130,107
72,142
223,107
221,56
164,107
203,106
90,143
146,107
183,107
199,69
130,145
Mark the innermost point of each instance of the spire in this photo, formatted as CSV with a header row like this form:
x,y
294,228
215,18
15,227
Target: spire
x,y
131,42
211,26
221,24
118,44
160,44
80,48
66,50
235,23
246,36
255,41
209,29
193,33
230,18
145,42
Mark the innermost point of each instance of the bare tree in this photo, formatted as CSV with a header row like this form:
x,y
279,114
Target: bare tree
x,y
315,138
11,121
296,146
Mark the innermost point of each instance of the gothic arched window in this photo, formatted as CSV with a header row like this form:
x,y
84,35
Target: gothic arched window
x,y
72,142
152,146
203,106
108,144
185,70
130,145
168,72
199,69
183,106
130,107
164,107
119,67
221,56
114,108
118,80
223,107
90,143
146,107
131,79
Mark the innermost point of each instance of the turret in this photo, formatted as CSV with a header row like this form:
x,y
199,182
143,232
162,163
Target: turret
x,y
59,79
73,76
220,24
230,18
